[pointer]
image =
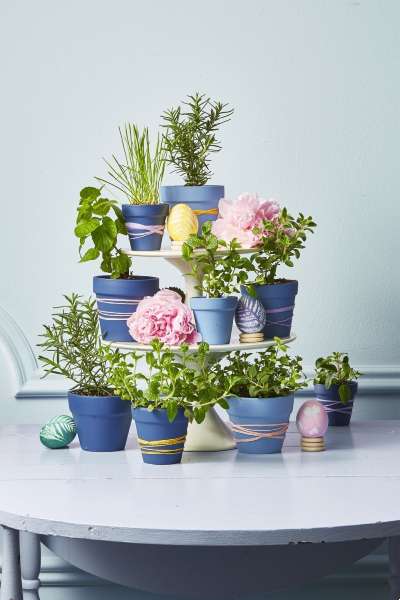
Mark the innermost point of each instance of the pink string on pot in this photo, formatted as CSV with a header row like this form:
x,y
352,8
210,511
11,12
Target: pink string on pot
x,y
257,432
272,311
143,230
337,407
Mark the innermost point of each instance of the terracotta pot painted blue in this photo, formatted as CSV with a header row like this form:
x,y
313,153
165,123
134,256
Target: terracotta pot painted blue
x,y
145,224
202,199
153,426
259,424
102,422
339,414
117,299
214,318
278,300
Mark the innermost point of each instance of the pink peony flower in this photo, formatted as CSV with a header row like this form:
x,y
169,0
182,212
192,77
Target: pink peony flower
x,y
163,316
237,219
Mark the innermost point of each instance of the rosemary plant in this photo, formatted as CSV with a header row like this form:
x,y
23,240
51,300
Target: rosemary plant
x,y
138,175
190,136
72,343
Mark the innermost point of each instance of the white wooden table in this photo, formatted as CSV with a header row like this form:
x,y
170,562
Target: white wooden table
x,y
251,523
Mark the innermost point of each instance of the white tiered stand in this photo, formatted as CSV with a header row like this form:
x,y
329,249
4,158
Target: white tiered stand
x,y
213,434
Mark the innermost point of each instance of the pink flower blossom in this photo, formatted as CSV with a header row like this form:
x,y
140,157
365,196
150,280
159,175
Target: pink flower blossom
x,y
163,316
237,219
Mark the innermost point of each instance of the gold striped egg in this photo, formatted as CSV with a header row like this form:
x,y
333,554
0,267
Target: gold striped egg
x,y
182,222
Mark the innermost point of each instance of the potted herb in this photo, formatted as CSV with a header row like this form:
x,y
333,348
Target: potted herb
x,y
98,223
189,139
282,241
220,275
177,389
335,385
73,350
138,175
262,399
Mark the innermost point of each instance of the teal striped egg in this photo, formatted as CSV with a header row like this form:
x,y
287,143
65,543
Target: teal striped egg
x,y
58,432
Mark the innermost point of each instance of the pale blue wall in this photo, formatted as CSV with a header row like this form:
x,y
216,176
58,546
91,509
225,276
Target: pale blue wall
x,y
317,95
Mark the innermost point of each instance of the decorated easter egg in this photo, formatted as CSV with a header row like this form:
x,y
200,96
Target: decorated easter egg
x,y
250,315
312,420
58,432
182,222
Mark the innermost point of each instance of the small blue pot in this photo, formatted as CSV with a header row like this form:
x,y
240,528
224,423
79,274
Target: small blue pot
x,y
214,318
102,422
259,424
202,199
278,300
153,426
117,299
339,414
145,224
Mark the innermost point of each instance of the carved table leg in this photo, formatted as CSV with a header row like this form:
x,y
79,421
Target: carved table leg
x,y
394,559
30,564
11,588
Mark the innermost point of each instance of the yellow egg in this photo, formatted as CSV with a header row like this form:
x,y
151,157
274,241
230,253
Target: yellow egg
x,y
182,222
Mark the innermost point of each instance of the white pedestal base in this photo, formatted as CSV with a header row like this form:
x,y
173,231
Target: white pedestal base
x,y
210,436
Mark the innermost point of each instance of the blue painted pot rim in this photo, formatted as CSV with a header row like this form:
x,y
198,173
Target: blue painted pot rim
x,y
96,405
202,303
159,415
145,210
193,187
104,284
333,391
256,407
275,290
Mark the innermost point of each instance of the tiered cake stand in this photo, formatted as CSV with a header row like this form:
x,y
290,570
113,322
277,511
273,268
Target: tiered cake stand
x,y
213,434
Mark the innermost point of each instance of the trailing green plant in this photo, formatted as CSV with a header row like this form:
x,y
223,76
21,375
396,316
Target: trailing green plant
x,y
219,274
283,241
190,136
272,373
335,370
176,380
138,175
98,232
72,347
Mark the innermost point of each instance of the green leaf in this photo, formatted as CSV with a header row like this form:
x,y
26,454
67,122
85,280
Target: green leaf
x,y
90,193
120,265
90,254
85,228
105,236
101,207
172,411
344,393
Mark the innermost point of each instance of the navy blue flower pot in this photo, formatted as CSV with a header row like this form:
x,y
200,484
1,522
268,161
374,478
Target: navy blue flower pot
x,y
102,422
214,318
145,224
259,424
202,199
117,299
278,300
339,414
160,441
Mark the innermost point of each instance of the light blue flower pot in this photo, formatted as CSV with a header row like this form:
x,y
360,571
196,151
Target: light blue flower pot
x,y
259,424
214,318
202,199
